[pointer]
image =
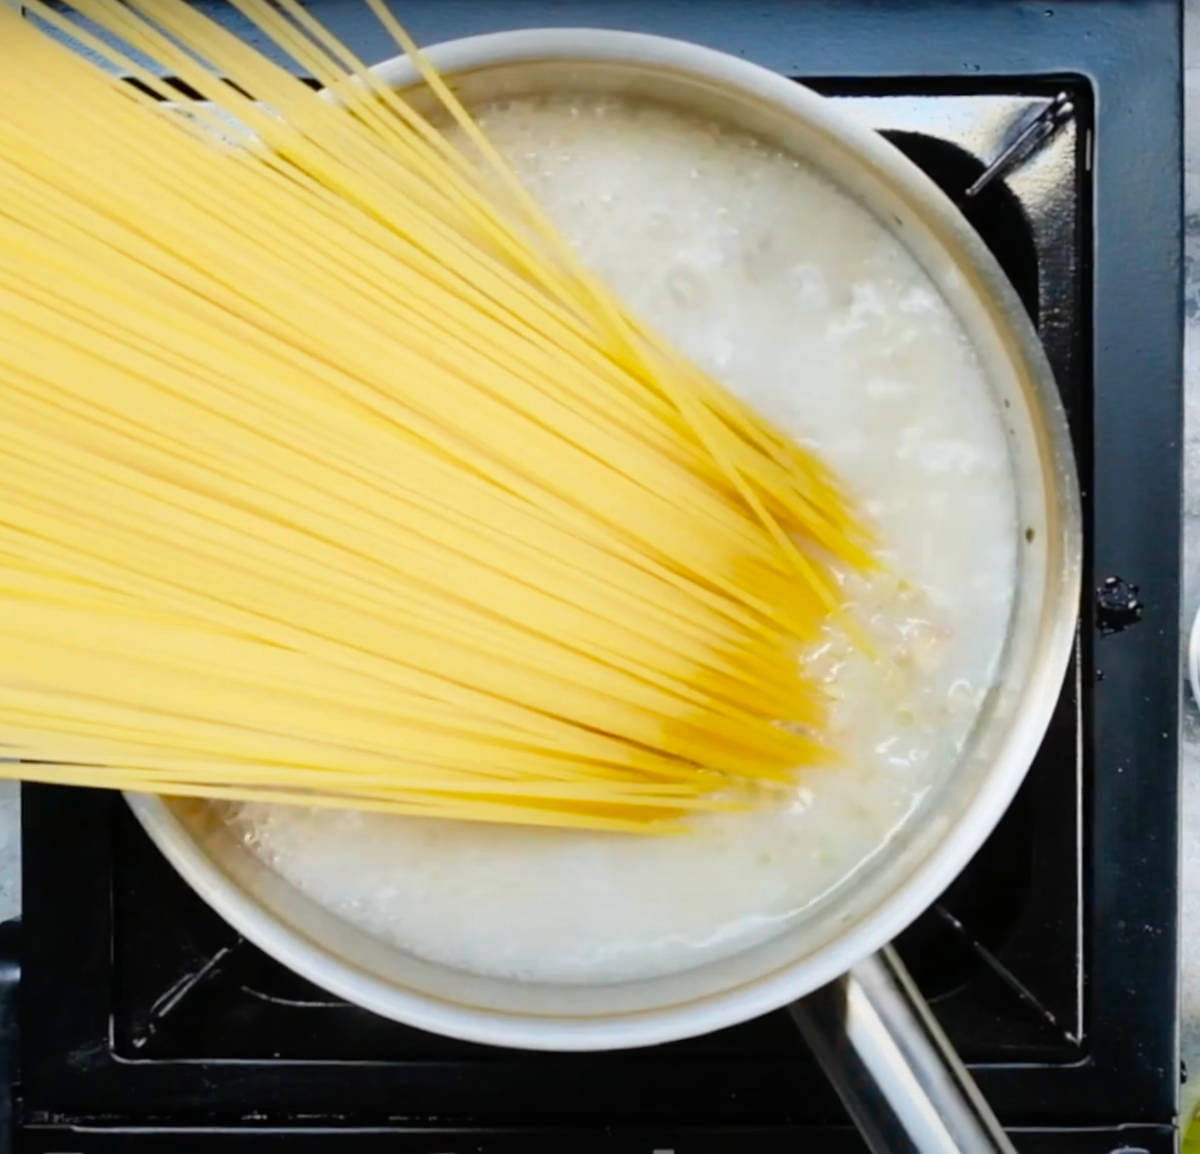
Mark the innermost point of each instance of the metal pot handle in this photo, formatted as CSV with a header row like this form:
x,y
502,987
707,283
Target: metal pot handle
x,y
905,1088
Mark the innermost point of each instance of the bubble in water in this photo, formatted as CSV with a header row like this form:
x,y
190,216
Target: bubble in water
x,y
808,280
684,287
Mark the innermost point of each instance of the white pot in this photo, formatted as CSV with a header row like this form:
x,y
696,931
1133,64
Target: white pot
x,y
960,811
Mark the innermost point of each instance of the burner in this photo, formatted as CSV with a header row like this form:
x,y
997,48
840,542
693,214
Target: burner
x,y
148,1024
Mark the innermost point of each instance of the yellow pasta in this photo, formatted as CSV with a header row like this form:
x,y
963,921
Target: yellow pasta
x,y
329,476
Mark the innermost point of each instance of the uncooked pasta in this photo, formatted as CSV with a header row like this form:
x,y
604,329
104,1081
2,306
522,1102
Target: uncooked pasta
x,y
331,475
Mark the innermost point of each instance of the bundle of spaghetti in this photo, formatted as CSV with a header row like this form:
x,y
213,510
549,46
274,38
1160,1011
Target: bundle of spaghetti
x,y
328,474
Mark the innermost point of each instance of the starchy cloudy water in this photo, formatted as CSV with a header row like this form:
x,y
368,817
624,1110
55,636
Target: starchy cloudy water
x,y
801,302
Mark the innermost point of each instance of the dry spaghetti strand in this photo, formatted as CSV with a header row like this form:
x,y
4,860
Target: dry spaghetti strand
x,y
329,476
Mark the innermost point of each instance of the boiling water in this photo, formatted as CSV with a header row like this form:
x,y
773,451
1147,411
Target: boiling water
x,y
800,301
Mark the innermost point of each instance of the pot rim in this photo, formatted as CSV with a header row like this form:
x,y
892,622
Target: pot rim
x,y
938,868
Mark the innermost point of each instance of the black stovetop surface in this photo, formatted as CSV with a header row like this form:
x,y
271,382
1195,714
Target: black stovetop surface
x,y
147,1024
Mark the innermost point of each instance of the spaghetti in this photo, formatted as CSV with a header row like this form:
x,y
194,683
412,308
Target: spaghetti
x,y
329,475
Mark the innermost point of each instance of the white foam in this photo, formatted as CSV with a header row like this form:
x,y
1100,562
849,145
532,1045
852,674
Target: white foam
x,y
800,301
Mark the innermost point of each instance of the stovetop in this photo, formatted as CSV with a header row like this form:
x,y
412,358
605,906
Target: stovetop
x,y
147,1024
